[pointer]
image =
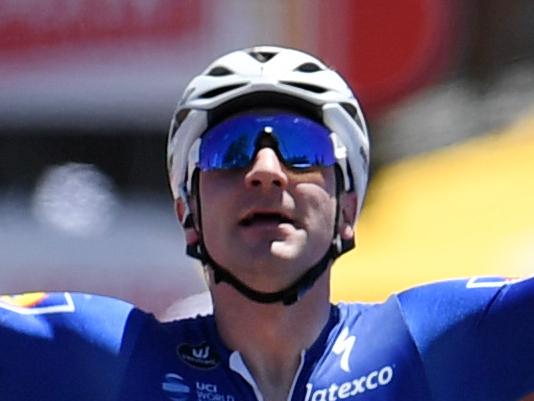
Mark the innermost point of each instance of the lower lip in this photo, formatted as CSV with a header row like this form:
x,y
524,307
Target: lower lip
x,y
267,225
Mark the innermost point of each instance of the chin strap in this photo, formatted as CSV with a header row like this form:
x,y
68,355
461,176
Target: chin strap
x,y
286,296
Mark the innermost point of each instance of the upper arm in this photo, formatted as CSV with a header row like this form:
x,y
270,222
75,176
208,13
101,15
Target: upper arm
x,y
63,346
474,336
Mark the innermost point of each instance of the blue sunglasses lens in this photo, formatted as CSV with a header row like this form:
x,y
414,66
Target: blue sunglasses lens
x,y
301,142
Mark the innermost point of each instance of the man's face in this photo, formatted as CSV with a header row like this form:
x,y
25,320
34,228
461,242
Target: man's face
x,y
267,223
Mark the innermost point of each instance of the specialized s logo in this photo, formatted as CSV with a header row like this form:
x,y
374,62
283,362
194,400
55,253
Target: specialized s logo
x,y
343,346
200,356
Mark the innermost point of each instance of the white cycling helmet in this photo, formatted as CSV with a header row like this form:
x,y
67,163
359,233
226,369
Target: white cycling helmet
x,y
268,77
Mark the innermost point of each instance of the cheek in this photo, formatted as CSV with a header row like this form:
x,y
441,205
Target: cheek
x,y
217,188
215,200
211,183
319,206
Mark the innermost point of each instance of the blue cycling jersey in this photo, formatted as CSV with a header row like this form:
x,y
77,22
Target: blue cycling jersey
x,y
455,340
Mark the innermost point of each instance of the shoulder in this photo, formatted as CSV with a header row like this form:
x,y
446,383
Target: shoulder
x,y
474,333
384,316
455,308
352,311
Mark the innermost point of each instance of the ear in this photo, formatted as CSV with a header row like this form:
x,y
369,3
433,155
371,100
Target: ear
x,y
348,207
191,233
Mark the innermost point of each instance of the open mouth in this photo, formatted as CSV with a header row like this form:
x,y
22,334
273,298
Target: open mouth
x,y
264,217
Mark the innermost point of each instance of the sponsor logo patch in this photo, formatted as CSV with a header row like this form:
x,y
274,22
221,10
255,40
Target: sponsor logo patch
x,y
200,356
210,392
38,303
177,389
492,282
363,384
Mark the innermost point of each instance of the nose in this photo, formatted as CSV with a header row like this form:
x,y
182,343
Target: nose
x,y
266,171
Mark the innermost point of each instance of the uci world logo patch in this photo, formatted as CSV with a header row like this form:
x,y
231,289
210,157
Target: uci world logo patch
x,y
38,303
200,356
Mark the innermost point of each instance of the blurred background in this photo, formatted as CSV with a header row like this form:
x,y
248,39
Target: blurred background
x,y
87,89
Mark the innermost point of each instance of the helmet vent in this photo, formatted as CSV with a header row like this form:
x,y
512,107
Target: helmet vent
x,y
262,57
307,87
179,119
308,67
219,72
218,91
349,108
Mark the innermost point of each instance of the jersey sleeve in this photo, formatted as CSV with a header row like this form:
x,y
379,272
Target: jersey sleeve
x,y
475,337
63,346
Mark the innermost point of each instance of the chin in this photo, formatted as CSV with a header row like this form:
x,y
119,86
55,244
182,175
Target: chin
x,y
286,252
298,253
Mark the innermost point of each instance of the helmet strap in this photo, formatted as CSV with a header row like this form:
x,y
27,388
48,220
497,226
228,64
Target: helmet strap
x,y
286,296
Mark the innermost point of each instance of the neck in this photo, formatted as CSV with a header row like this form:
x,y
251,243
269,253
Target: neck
x,y
275,334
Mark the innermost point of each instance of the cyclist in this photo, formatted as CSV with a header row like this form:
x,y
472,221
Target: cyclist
x,y
268,160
